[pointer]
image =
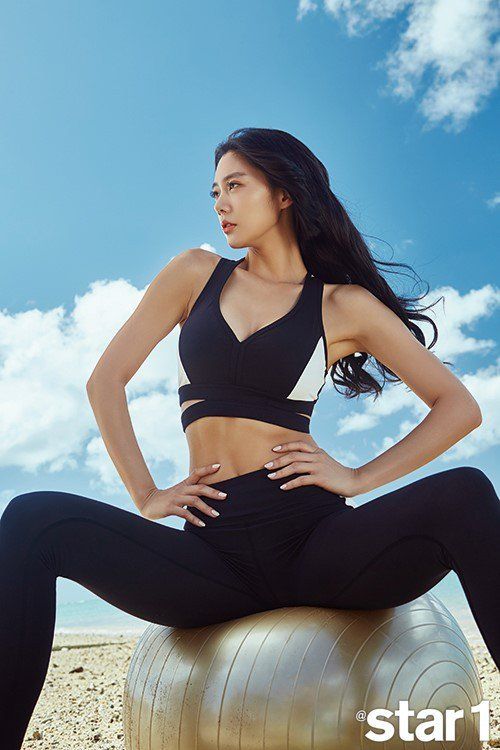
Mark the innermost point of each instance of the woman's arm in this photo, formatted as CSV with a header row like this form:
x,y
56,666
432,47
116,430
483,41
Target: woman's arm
x,y
160,309
373,328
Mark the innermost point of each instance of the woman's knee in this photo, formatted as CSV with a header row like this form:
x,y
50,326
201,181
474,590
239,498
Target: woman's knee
x,y
32,511
16,510
475,482
468,487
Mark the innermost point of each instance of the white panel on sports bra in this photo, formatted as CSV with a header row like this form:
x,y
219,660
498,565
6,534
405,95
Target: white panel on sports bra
x,y
313,376
181,373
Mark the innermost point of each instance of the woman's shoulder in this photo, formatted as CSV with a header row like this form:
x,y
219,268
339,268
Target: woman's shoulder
x,y
196,264
197,259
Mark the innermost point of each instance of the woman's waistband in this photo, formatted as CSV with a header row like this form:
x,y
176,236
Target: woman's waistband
x,y
253,498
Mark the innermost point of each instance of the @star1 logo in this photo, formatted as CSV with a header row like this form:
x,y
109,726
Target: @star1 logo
x,y
438,727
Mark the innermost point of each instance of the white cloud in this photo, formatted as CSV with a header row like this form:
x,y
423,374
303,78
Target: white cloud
x,y
461,311
364,15
305,6
446,53
46,358
392,400
494,202
457,313
357,422
484,384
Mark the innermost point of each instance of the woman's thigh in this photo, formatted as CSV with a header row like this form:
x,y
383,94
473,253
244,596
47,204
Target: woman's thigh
x,y
150,570
392,549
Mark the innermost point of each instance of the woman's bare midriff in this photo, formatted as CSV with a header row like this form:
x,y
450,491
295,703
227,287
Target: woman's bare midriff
x,y
238,444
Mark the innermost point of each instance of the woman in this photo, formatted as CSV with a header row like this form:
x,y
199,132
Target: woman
x,y
264,506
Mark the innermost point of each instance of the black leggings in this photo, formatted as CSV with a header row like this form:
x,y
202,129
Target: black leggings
x,y
269,548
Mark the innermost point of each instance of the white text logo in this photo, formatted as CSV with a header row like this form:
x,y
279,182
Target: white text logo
x,y
438,727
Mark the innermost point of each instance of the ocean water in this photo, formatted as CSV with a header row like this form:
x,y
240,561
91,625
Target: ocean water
x,y
93,615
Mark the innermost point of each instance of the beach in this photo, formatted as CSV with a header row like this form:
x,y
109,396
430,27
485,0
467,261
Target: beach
x,y
80,706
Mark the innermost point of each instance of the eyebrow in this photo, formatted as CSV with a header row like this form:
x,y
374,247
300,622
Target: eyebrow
x,y
233,174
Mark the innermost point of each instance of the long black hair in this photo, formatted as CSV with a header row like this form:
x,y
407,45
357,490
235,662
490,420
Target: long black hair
x,y
330,245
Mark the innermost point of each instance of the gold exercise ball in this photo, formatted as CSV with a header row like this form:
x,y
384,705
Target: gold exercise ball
x,y
296,677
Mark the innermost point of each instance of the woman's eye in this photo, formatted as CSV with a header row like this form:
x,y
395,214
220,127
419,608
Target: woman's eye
x,y
213,194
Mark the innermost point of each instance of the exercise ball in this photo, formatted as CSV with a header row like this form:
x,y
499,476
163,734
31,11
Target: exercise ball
x,y
297,677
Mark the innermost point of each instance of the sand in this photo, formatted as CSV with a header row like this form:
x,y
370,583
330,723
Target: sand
x,y
80,706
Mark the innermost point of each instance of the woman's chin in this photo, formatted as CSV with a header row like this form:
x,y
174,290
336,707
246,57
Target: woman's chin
x,y
234,243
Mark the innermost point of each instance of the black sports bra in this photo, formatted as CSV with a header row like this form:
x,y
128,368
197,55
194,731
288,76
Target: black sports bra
x,y
273,375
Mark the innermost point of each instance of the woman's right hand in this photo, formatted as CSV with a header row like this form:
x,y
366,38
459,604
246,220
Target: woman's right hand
x,y
171,501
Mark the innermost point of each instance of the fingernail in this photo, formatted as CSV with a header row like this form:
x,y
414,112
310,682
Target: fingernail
x,y
215,513
268,465
222,494
214,466
200,523
273,474
276,447
282,486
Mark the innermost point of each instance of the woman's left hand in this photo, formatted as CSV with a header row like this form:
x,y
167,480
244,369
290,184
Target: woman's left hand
x,y
316,466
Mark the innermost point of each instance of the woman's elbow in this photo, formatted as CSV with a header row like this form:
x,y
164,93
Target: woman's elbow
x,y
472,413
479,415
97,384
92,385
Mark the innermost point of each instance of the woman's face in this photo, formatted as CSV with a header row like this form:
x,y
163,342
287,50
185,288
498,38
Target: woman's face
x,y
246,200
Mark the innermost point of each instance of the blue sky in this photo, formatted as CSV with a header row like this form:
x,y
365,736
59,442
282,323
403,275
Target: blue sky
x,y
110,116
